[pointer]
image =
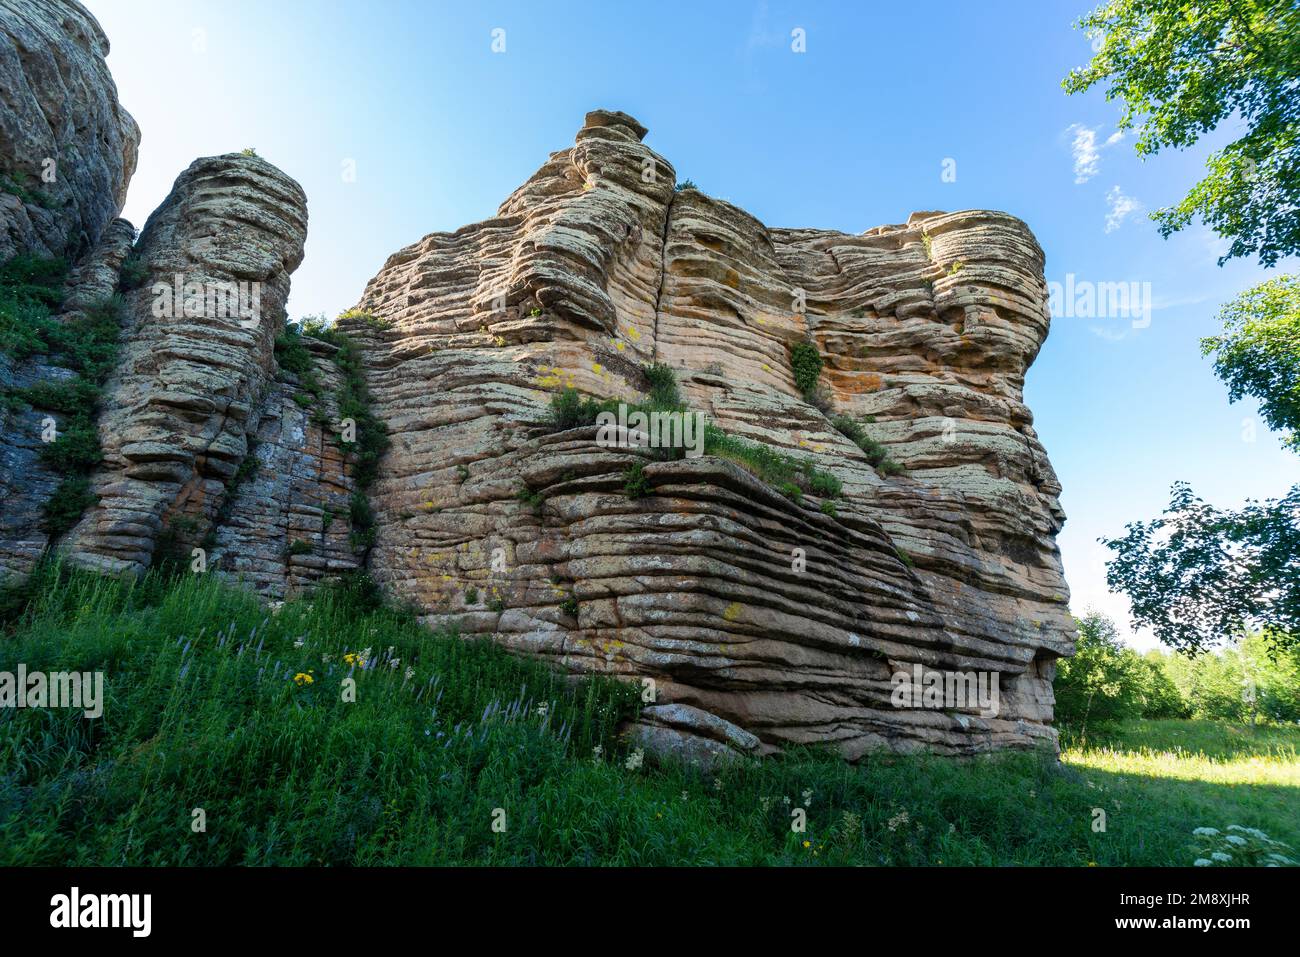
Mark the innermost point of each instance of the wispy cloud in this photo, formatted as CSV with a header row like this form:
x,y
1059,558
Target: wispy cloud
x,y
1121,206
1087,150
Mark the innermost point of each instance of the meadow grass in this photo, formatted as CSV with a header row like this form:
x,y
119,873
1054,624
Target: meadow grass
x,y
208,706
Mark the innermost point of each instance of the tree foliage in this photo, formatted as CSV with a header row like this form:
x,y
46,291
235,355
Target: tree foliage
x,y
1181,67
1258,352
1199,575
1257,678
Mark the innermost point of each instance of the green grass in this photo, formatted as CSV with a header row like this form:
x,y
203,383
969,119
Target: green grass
x,y
203,710
877,455
353,398
790,475
19,184
635,483
87,345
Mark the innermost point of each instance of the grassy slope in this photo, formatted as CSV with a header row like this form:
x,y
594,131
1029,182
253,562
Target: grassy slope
x,y
203,711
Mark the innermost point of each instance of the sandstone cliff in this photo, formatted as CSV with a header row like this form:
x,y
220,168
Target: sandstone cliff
x,y
593,268
758,613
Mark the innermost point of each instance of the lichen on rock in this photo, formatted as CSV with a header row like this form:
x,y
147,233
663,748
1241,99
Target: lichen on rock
x,y
595,267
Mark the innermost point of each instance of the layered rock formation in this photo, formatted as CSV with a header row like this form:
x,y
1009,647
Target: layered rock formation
x,y
67,147
756,616
195,364
596,266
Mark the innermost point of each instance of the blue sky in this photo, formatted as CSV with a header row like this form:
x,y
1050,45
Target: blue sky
x,y
848,135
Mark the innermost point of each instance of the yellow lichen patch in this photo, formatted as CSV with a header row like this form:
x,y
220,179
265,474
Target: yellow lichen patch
x,y
633,334
732,611
619,346
596,368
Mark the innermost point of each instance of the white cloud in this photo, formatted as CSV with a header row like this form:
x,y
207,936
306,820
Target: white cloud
x,y
1087,151
1121,205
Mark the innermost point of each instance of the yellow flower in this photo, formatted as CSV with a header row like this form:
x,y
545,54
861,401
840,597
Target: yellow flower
x,y
807,843
302,678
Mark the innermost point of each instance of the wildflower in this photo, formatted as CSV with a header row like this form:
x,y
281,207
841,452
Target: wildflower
x,y
596,752
634,760
302,679
298,642
1206,831
807,843
807,797
394,663
1202,862
717,784
1221,856
542,709
898,820
683,795
1234,839
409,673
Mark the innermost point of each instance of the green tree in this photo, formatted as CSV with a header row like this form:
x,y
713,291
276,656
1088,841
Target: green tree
x,y
1258,352
1199,575
1103,680
1160,695
1182,67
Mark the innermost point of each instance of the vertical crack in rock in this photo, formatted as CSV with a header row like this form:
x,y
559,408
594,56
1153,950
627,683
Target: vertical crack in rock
x,y
663,270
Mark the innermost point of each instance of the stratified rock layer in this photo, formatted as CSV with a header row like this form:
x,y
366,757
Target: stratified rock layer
x,y
763,622
287,526
67,147
179,408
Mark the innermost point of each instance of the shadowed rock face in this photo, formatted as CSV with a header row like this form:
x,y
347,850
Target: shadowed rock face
x,y
595,266
58,105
